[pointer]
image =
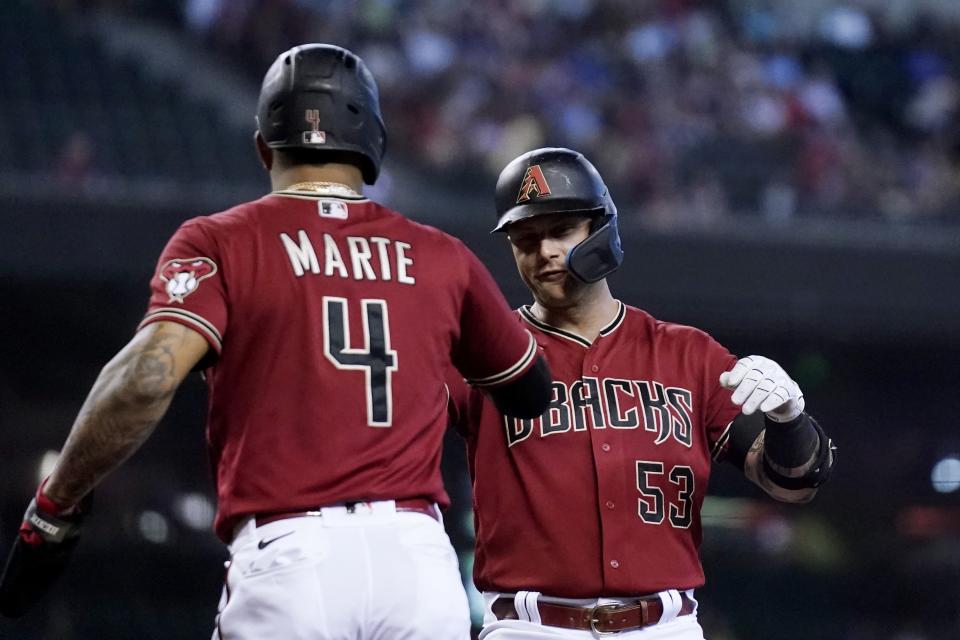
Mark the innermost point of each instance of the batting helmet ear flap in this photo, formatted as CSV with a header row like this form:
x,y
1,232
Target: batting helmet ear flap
x,y
264,152
599,254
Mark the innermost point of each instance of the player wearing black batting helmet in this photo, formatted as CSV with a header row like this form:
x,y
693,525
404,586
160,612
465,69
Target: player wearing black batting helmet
x,y
325,437
640,411
562,181
322,99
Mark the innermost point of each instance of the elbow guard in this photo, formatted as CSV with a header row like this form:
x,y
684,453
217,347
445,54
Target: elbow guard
x,y
528,396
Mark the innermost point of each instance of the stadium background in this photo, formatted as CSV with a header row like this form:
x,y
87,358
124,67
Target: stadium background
x,y
788,176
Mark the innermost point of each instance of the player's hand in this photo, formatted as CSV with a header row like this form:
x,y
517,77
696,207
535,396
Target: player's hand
x,y
40,553
761,383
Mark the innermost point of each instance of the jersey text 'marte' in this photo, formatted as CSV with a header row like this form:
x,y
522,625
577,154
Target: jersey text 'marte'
x,y
615,403
357,257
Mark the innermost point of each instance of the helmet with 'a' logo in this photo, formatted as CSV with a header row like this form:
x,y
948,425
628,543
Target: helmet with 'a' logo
x,y
561,181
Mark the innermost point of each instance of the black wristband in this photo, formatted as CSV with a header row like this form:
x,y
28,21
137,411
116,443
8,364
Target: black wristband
x,y
790,444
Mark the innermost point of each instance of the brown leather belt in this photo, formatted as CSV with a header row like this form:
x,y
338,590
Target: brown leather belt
x,y
418,505
605,618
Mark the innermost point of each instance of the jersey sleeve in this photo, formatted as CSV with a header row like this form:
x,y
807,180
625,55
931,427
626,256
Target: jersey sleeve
x,y
493,348
187,286
458,396
720,410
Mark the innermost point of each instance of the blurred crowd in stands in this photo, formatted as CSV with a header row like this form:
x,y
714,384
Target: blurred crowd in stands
x,y
693,109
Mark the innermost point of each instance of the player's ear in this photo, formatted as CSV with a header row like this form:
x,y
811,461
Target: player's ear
x,y
264,152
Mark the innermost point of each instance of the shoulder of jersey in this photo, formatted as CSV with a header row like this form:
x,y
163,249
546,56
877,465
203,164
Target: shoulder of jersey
x,y
237,216
228,222
240,213
425,229
672,330
224,220
423,232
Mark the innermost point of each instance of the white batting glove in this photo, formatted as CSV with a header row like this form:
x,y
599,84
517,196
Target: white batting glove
x,y
759,382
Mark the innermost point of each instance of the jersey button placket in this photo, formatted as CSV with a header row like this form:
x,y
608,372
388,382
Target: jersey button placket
x,y
605,447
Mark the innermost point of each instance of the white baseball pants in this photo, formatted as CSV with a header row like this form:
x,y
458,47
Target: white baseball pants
x,y
370,574
670,627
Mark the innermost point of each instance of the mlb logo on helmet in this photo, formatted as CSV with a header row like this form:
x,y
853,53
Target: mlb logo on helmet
x,y
533,183
314,136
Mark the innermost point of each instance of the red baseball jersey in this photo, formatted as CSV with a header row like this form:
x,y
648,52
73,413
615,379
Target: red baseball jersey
x,y
601,495
333,320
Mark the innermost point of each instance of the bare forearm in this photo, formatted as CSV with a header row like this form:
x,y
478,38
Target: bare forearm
x,y
103,437
127,401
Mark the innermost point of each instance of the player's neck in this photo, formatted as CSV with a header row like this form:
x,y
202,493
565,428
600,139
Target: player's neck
x,y
282,178
593,311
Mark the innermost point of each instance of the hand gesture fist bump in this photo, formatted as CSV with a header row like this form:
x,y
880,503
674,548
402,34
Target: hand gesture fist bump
x,y
761,383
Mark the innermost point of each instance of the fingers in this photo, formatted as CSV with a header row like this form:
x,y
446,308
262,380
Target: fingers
x,y
748,385
730,379
777,398
758,383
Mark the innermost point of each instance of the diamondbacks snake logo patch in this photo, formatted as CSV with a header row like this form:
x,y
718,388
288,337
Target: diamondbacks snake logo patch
x,y
184,275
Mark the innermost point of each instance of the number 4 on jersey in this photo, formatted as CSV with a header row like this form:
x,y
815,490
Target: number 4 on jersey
x,y
377,360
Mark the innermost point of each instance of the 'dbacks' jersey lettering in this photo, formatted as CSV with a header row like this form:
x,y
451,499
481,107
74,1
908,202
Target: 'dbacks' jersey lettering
x,y
610,479
332,321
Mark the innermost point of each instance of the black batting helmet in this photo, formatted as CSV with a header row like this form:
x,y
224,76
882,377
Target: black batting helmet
x,y
323,98
557,180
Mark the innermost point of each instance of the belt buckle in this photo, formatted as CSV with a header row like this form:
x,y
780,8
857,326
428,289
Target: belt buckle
x,y
594,619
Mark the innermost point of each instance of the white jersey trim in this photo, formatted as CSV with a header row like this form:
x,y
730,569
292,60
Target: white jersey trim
x,y
612,326
721,442
617,320
196,321
511,372
299,195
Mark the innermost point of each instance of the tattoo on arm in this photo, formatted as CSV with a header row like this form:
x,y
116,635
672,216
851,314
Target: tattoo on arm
x,y
753,468
757,447
127,401
153,369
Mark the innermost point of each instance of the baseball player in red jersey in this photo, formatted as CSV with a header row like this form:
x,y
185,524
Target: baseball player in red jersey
x,y
588,516
324,323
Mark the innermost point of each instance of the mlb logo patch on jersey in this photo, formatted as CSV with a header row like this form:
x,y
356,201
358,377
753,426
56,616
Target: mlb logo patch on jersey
x,y
184,275
332,209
